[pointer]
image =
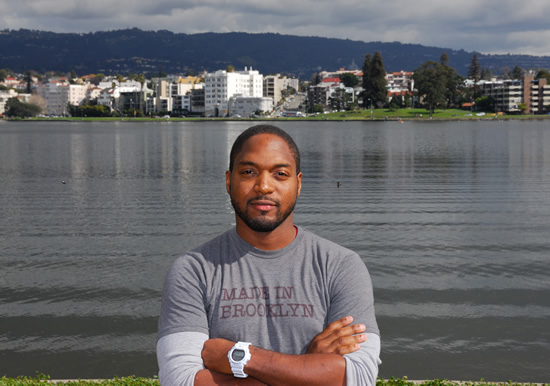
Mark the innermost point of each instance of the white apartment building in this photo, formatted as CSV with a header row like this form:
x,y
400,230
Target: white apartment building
x,y
55,96
398,82
58,94
243,106
222,85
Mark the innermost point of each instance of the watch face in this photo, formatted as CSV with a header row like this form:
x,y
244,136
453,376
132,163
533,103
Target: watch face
x,y
237,355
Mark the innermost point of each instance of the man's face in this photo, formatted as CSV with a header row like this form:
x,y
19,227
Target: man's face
x,y
263,185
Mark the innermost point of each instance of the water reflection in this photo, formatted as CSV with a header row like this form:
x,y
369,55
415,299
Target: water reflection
x,y
451,219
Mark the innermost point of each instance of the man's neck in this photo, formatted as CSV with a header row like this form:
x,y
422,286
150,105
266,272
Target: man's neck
x,y
278,238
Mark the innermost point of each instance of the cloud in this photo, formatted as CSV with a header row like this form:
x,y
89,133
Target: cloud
x,y
486,26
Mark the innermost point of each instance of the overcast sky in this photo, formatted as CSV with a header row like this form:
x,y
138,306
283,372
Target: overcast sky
x,y
486,26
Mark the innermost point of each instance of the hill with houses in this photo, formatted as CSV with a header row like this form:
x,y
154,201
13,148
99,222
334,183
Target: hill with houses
x,y
150,52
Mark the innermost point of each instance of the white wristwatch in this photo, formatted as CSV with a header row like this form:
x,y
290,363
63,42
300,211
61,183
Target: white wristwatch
x,y
239,356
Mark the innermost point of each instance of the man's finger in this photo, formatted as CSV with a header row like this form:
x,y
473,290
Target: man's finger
x,y
336,326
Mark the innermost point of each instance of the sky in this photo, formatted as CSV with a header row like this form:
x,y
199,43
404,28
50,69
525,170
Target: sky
x,y
485,26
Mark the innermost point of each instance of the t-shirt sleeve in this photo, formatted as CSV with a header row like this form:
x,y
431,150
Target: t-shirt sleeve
x,y
183,299
362,365
351,293
179,358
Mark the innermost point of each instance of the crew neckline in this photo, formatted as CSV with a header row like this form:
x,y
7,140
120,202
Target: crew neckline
x,y
263,254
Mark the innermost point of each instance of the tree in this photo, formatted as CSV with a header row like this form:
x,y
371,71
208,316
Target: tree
x,y
444,59
431,82
230,68
485,103
3,74
16,108
315,79
543,74
474,73
374,81
486,73
517,73
28,80
522,108
349,79
340,100
452,82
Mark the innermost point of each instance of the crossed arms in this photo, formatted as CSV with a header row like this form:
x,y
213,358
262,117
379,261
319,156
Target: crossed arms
x,y
323,363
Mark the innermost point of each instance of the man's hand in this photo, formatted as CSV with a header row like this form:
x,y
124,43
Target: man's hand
x,y
340,337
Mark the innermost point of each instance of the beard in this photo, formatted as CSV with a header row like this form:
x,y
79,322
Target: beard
x,y
262,224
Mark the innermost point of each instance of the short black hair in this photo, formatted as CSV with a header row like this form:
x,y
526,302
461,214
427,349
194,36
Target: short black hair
x,y
263,129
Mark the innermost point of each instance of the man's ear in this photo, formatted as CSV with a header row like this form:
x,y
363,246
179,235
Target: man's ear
x,y
299,177
228,182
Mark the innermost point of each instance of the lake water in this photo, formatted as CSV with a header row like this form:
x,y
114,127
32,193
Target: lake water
x,y
452,219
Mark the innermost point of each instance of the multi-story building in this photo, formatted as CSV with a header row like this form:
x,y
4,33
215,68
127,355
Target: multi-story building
x,y
318,95
197,101
174,95
330,93
400,82
55,95
509,94
243,106
222,85
275,85
506,94
539,96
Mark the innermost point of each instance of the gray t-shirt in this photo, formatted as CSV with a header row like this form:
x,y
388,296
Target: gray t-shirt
x,y
277,300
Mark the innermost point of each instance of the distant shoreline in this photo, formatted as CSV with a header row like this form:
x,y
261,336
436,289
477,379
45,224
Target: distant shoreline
x,y
363,115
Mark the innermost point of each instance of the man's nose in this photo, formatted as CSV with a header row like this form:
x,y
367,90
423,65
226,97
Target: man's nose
x,y
264,183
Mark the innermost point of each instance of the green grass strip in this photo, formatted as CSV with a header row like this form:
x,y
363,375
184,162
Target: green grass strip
x,y
41,379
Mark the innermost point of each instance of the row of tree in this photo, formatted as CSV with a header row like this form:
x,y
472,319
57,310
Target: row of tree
x,y
437,84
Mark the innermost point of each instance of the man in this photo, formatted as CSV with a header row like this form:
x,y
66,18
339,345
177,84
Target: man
x,y
267,302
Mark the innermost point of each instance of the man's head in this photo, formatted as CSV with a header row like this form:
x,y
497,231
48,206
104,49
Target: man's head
x,y
263,179
263,129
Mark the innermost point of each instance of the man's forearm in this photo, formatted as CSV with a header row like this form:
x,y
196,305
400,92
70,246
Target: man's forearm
x,y
274,368
208,377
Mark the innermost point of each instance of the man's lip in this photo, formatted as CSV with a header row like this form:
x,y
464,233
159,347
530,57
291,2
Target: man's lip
x,y
263,205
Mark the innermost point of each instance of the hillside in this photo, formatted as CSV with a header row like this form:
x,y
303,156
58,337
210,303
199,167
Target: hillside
x,y
137,51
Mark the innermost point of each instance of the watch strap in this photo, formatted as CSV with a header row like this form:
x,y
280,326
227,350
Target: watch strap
x,y
238,367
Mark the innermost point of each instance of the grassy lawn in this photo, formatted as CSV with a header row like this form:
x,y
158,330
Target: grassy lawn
x,y
416,114
376,114
42,379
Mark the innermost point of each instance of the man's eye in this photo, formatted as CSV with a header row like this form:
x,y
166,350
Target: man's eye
x,y
248,171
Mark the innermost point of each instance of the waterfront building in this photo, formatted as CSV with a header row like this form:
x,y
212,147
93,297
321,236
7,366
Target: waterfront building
x,y
58,94
330,93
222,85
245,106
400,83
509,94
174,95
276,85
